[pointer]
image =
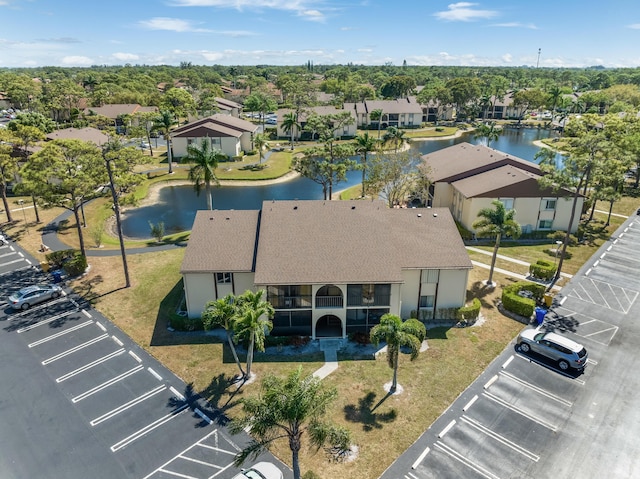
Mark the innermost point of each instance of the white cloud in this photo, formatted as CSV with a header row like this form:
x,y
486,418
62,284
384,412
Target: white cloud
x,y
306,9
464,12
170,24
313,15
635,26
507,58
77,60
125,57
530,26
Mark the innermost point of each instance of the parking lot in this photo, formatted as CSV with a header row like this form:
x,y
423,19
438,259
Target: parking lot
x,y
133,409
524,418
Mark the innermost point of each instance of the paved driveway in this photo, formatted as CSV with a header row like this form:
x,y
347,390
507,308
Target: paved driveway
x,y
524,418
80,399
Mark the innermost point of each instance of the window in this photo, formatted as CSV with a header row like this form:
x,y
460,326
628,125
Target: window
x,y
545,224
217,142
549,204
427,301
507,202
430,275
222,278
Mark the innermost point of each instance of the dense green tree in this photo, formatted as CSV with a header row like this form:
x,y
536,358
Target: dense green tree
x,y
163,123
398,86
290,125
179,102
398,334
204,160
496,222
8,168
261,102
488,132
36,120
391,176
364,144
260,141
65,173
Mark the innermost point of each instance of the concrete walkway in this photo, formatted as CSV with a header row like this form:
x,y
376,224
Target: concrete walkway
x,y
330,348
507,258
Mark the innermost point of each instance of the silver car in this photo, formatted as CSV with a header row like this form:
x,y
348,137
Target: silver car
x,y
260,470
27,297
566,353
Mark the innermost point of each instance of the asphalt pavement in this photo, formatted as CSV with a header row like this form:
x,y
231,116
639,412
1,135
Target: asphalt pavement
x,y
525,418
81,399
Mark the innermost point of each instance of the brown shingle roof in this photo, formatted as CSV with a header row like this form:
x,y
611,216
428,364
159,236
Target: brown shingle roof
x,y
115,110
464,159
218,122
222,241
505,181
85,134
303,242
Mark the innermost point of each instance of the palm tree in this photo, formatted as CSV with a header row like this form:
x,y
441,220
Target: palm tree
x,y
253,320
394,135
288,408
260,141
223,313
205,160
163,124
488,131
364,144
376,115
397,334
498,222
290,124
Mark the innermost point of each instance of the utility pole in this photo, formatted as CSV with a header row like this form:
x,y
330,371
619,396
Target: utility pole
x,y
538,62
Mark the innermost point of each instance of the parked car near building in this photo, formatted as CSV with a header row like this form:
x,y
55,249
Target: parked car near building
x,y
565,352
31,295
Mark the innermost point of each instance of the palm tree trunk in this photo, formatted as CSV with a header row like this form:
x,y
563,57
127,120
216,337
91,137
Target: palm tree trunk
x,y
234,352
565,241
116,210
394,383
5,202
207,189
493,259
295,461
364,171
79,228
250,355
169,158
610,211
35,209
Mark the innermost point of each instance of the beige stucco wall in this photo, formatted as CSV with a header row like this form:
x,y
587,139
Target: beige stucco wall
x,y
442,195
230,146
450,291
200,288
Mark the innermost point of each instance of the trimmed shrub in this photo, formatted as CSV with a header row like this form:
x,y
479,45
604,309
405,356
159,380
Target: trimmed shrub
x,y
184,323
543,269
469,313
76,265
57,258
514,301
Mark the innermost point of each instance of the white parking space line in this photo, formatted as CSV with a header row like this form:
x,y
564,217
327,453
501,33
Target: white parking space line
x,y
19,315
15,270
470,403
155,374
213,448
147,429
73,350
507,362
184,476
90,365
46,321
13,262
420,458
86,313
537,389
61,333
106,384
134,356
501,439
447,428
197,444
573,379
177,393
491,381
203,416
198,461
123,407
463,460
517,410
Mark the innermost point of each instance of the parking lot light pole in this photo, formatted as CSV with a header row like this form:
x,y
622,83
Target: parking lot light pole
x,y
24,214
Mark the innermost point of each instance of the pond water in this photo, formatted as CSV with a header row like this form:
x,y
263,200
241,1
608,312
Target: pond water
x,y
177,205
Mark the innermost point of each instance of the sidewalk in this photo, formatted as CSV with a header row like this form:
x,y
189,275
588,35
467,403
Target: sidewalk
x,y
506,258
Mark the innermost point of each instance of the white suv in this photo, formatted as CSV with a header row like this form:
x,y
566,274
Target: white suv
x,y
565,352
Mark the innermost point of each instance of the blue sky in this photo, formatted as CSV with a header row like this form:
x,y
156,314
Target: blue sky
x,y
569,33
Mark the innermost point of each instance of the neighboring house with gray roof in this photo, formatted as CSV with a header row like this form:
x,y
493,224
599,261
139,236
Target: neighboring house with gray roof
x,y
467,178
228,107
347,131
330,268
401,113
85,134
227,133
122,114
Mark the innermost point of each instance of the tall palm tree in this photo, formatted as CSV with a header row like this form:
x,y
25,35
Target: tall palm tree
x,y
376,115
498,222
364,145
163,124
260,141
397,334
488,131
204,159
290,124
253,320
223,313
289,408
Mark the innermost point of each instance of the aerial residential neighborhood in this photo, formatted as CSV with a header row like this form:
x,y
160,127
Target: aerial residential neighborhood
x,y
269,240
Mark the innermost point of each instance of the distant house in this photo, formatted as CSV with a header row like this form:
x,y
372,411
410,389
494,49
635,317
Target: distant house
x,y
229,134
92,135
228,107
466,178
348,131
402,113
120,113
330,268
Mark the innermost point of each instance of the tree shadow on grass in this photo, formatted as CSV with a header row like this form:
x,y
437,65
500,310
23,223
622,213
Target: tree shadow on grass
x,y
202,411
364,412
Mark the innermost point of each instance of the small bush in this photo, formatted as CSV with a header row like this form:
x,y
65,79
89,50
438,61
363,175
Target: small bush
x,y
469,313
57,258
76,265
298,341
360,337
543,269
523,306
157,230
184,323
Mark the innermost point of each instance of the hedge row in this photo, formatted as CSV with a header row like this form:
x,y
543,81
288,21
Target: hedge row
x,y
521,305
543,269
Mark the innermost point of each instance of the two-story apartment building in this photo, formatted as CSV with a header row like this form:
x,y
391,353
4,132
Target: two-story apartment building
x,y
330,268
